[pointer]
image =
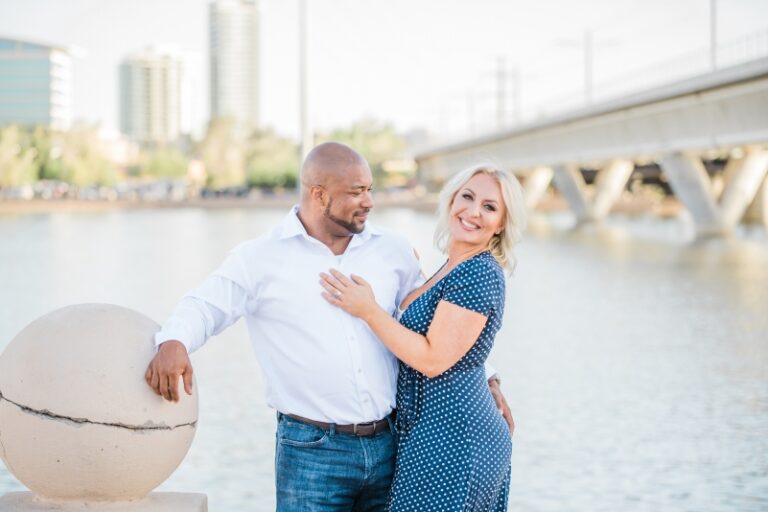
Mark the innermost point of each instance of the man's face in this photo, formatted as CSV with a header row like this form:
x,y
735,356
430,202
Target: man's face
x,y
349,200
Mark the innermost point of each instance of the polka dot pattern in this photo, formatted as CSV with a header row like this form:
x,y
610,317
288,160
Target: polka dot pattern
x,y
454,447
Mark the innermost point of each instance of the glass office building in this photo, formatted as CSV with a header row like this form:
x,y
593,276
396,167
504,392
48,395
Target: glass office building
x,y
35,84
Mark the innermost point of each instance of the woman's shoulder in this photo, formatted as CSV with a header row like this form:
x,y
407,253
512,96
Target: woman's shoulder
x,y
477,284
482,264
480,271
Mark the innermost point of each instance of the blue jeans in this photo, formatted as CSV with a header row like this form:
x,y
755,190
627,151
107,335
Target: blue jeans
x,y
324,470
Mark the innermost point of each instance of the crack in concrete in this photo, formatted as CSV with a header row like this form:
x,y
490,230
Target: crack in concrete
x,y
148,426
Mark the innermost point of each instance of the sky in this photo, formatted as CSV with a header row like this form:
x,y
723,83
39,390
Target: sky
x,y
431,64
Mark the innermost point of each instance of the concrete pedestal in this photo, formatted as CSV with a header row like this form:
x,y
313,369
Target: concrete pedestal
x,y
154,502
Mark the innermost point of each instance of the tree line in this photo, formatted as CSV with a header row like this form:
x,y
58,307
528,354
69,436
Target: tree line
x,y
262,158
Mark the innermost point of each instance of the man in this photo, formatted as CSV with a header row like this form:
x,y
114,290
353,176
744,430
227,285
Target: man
x,y
331,381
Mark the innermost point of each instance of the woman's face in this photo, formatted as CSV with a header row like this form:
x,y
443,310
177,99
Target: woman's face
x,y
477,212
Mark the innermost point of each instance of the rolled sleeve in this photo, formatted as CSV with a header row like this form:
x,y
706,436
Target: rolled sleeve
x,y
192,323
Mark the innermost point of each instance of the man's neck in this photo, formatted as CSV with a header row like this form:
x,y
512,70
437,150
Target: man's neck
x,y
317,230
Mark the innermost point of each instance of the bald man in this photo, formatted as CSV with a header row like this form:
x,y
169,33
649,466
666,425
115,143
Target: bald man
x,y
331,381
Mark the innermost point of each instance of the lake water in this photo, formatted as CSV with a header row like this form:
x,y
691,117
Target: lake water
x,y
635,361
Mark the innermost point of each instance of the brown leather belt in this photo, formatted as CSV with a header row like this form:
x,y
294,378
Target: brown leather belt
x,y
357,429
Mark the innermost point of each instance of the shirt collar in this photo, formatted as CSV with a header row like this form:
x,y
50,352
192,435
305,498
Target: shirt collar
x,y
291,226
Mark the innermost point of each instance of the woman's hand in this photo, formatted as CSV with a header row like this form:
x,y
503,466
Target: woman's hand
x,y
352,294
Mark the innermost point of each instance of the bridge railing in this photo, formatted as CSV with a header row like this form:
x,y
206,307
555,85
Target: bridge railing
x,y
738,51
744,49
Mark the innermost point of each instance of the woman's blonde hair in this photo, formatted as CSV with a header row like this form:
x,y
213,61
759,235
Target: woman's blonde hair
x,y
501,245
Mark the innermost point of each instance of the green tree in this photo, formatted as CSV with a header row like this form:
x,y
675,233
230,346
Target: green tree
x,y
376,141
18,164
77,156
272,161
82,158
163,162
43,139
223,154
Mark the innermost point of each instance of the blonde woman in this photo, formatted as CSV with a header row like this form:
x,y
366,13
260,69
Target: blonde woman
x,y
454,447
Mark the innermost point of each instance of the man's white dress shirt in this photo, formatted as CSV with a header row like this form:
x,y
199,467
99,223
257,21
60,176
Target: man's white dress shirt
x,y
318,361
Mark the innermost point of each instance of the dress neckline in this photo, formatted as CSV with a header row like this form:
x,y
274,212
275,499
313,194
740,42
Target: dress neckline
x,y
402,311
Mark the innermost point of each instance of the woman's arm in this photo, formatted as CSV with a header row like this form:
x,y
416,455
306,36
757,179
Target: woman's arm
x,y
451,334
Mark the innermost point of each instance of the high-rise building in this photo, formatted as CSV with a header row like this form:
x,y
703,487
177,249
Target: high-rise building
x,y
35,84
235,62
150,96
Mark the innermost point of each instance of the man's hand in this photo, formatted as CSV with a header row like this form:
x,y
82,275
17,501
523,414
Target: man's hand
x,y
501,403
170,363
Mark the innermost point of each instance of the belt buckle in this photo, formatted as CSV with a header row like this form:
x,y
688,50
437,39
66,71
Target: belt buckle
x,y
357,426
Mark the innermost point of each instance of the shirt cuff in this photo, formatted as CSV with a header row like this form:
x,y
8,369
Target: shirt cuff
x,y
177,332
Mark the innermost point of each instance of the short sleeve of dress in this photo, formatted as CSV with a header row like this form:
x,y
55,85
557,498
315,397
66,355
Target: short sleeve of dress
x,y
477,285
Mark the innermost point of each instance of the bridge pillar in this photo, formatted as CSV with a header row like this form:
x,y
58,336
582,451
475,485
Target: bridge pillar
x,y
758,210
536,184
743,179
570,182
693,188
609,184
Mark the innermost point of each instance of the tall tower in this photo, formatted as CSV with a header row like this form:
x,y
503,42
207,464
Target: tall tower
x,y
234,62
150,96
36,84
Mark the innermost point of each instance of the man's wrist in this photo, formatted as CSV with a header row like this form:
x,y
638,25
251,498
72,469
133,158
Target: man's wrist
x,y
172,344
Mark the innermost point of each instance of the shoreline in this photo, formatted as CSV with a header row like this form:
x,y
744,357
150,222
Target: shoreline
x,y
667,207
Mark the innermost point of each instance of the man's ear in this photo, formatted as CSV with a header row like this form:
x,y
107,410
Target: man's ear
x,y
319,194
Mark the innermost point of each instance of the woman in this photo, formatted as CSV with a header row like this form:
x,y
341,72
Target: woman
x,y
454,447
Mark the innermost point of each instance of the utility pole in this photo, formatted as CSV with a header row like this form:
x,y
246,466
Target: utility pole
x,y
306,131
501,93
713,34
588,66
508,86
516,92
587,44
471,113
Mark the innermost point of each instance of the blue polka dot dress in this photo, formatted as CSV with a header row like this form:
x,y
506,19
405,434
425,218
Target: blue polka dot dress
x,y
454,447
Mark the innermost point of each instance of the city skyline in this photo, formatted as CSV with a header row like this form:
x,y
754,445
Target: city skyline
x,y
150,96
234,62
428,64
35,84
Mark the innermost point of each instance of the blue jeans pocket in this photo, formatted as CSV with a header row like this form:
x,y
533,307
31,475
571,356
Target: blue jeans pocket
x,y
301,435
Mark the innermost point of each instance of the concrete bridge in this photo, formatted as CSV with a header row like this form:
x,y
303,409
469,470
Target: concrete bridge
x,y
677,126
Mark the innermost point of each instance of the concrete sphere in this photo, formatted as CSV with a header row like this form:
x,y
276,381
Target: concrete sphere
x,y
77,419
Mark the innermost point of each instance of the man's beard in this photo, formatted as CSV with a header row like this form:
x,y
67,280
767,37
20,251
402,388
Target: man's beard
x,y
349,226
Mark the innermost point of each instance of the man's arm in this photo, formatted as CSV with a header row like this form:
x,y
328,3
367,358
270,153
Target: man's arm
x,y
206,311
